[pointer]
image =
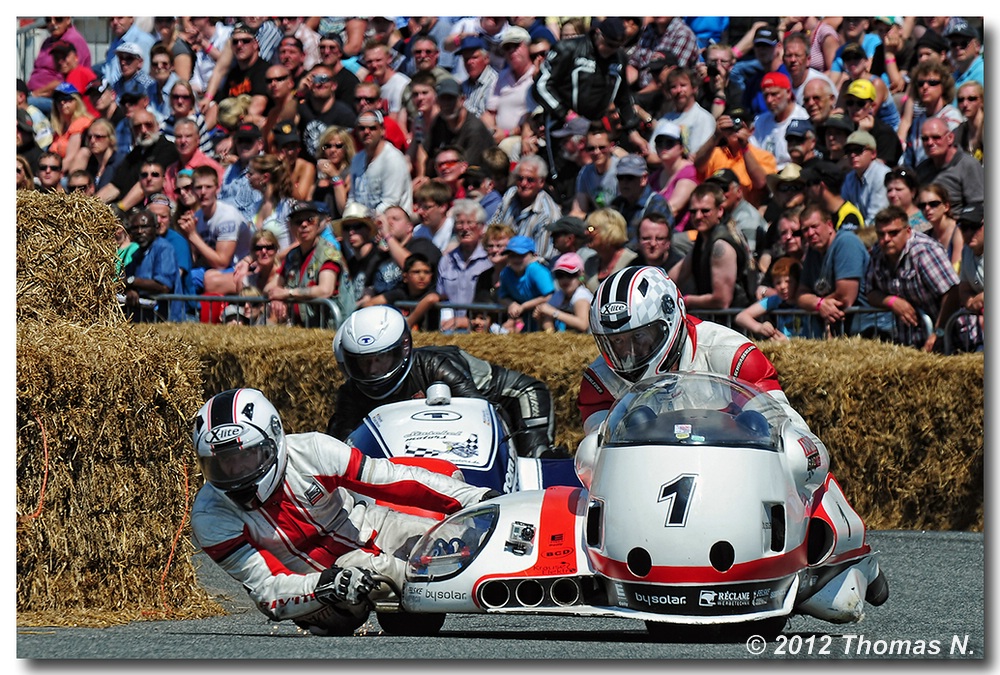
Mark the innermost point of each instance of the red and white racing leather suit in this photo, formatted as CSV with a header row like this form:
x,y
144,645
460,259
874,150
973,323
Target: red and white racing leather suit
x,y
319,518
709,347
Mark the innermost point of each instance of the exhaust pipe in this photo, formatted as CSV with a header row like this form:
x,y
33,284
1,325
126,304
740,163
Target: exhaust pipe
x,y
565,592
529,593
495,594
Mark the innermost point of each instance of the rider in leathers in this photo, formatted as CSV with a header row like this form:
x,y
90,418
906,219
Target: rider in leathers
x,y
294,528
641,327
525,400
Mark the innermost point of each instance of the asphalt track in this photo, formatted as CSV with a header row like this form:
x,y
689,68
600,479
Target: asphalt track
x,y
936,610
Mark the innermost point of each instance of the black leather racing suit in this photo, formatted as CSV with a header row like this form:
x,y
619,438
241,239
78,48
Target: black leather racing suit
x,y
575,77
526,401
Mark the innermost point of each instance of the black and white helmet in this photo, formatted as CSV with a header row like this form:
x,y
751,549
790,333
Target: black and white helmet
x,y
637,318
377,349
241,446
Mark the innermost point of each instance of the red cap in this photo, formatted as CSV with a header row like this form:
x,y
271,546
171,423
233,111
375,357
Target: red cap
x,y
776,79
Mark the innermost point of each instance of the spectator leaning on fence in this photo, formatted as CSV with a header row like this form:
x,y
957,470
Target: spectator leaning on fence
x,y
910,275
460,267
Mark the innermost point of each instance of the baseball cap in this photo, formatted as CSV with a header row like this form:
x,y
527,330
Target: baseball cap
x,y
839,122
739,113
723,178
775,79
471,42
61,48
515,35
799,128
302,209
132,89
667,128
65,90
243,27
247,131
24,122
129,48
765,35
578,126
932,40
631,165
960,27
862,89
569,225
970,215
520,245
285,133
612,28
448,86
862,138
825,171
568,262
852,52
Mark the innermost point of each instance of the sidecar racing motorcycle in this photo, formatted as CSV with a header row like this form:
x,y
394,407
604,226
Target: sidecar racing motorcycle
x,y
702,505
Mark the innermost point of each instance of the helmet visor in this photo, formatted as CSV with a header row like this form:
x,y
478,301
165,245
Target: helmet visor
x,y
236,467
371,369
632,350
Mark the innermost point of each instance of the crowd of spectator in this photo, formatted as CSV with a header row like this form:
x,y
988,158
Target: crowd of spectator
x,y
801,175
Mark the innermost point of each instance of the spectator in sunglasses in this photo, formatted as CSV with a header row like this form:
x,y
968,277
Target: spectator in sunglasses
x,y
932,90
965,50
320,108
951,167
969,135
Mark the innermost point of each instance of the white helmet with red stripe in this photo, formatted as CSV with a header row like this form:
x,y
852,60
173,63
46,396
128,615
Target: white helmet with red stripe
x,y
637,318
241,446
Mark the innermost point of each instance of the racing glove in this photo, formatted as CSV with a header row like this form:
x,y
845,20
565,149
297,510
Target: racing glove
x,y
490,494
339,585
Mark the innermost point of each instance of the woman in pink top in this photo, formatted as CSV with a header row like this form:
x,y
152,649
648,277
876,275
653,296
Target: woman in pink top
x,y
676,178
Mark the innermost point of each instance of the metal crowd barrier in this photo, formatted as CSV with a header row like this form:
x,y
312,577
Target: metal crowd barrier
x,y
331,315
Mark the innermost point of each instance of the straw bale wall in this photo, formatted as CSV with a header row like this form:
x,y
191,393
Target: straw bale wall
x,y
106,474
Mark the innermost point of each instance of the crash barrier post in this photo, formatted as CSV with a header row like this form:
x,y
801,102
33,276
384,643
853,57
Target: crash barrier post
x,y
329,313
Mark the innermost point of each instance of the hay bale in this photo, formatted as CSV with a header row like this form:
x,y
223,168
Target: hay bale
x,y
105,475
66,258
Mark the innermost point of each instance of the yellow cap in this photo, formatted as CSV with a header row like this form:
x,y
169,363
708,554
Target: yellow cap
x,y
862,89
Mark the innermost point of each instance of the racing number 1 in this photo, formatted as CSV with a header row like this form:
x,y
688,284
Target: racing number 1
x,y
677,493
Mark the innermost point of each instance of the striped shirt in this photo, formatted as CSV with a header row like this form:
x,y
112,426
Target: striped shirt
x,y
457,276
477,92
530,221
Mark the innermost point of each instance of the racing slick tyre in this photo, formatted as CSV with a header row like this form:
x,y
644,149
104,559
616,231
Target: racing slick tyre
x,y
412,625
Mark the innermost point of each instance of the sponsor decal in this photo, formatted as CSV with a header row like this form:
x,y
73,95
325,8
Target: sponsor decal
x,y
435,596
682,431
314,493
366,340
614,314
225,433
811,452
664,599
762,596
707,598
594,382
742,357
436,416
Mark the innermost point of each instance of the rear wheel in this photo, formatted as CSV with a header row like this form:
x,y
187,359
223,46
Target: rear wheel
x,y
406,623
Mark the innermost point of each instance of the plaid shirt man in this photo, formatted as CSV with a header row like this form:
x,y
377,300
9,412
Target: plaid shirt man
x,y
922,276
678,39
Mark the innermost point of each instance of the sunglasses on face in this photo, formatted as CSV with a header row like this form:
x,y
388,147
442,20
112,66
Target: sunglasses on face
x,y
322,79
928,83
330,146
446,163
161,64
929,204
367,99
49,167
596,148
280,78
242,41
666,143
959,43
541,54
889,233
265,247
77,188
931,137
150,174
965,99
126,58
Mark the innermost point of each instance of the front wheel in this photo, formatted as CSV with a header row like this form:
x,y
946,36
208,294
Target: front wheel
x,y
408,624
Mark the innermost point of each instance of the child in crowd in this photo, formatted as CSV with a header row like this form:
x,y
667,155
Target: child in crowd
x,y
524,284
569,308
785,273
419,282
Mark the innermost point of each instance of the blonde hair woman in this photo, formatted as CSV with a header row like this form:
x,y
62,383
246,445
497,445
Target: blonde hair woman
x,y
269,175
333,169
25,177
608,235
69,121
99,154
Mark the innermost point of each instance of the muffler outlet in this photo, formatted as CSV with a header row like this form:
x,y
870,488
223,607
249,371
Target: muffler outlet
x,y
565,592
529,593
495,594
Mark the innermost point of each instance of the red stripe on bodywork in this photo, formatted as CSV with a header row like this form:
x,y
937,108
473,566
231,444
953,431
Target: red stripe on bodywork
x,y
555,541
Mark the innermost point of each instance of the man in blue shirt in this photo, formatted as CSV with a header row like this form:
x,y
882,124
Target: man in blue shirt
x,y
126,31
965,49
